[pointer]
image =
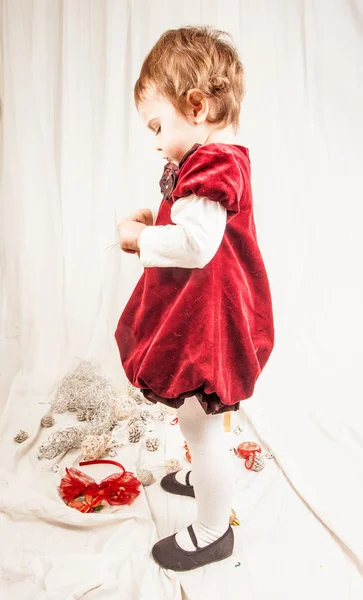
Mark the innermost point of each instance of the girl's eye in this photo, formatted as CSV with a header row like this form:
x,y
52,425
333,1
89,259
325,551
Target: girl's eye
x,y
158,131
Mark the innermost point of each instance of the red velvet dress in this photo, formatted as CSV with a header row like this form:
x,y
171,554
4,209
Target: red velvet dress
x,y
205,332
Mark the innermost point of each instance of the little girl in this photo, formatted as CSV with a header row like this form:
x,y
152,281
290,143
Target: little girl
x,y
198,328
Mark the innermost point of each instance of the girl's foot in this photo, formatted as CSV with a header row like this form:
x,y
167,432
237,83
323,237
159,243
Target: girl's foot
x,y
204,535
170,484
169,555
181,476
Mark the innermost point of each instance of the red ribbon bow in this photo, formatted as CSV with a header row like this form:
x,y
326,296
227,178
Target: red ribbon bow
x,y
83,493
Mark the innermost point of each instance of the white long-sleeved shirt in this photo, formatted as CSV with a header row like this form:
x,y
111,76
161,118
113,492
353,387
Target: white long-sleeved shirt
x,y
190,243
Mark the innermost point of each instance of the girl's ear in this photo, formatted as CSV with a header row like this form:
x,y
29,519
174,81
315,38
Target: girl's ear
x,y
198,103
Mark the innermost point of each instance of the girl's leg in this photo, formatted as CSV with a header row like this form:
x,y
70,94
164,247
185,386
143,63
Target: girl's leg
x,y
212,475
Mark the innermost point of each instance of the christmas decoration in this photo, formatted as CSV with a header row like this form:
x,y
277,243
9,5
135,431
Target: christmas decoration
x,y
257,461
152,444
94,446
146,416
146,477
123,407
21,436
118,436
47,421
94,400
135,421
172,465
247,448
187,453
60,441
237,430
165,411
249,451
135,433
135,393
168,410
81,492
142,419
233,518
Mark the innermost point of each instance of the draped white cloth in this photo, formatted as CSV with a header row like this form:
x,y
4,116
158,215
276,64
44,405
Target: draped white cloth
x,y
75,158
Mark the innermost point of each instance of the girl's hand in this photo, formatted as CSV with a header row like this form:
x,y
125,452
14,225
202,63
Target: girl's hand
x,y
129,233
142,215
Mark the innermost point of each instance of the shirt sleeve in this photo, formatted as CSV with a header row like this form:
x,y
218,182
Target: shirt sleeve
x,y
191,242
212,171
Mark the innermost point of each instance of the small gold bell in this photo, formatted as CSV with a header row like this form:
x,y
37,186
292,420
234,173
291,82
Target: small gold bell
x,y
233,518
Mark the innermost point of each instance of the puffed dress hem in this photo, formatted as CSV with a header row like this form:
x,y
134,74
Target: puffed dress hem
x,y
211,403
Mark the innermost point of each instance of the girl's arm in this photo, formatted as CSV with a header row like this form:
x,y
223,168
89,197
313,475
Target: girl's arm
x,y
191,242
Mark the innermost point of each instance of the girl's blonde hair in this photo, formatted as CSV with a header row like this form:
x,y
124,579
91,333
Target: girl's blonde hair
x,y
195,57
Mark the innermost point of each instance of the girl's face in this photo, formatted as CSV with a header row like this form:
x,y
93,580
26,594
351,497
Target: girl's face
x,y
174,133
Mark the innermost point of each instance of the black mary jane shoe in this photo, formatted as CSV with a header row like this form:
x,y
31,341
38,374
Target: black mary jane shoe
x,y
169,555
170,484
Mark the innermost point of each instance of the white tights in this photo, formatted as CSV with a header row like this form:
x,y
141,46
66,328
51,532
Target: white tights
x,y
212,473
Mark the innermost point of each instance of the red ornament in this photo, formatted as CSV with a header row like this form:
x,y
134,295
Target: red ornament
x,y
248,451
187,454
83,493
246,448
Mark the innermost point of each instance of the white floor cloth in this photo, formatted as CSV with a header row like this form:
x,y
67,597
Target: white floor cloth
x,y
71,149
52,552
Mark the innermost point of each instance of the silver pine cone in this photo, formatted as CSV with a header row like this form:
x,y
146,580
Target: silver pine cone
x,y
152,444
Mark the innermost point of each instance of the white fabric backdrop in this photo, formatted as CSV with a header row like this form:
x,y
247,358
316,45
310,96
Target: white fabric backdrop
x,y
75,157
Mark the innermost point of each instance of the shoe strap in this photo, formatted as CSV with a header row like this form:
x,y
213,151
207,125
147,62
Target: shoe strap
x,y
187,478
193,536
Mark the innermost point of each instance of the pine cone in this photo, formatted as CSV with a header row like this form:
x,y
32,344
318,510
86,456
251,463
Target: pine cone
x,y
135,393
172,465
145,416
47,421
152,444
21,436
136,421
135,434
